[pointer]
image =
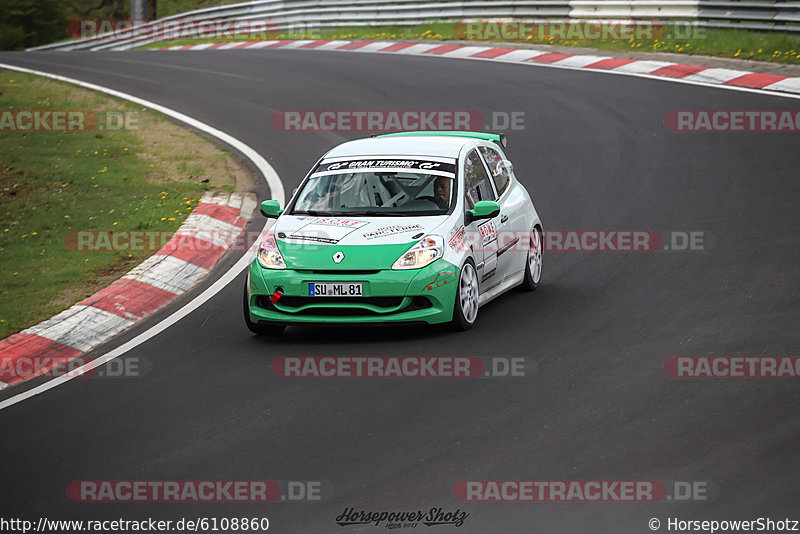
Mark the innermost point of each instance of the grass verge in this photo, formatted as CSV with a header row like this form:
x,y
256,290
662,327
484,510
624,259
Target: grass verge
x,y
743,44
135,170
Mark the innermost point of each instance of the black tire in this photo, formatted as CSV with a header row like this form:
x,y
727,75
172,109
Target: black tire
x,y
461,320
531,282
259,328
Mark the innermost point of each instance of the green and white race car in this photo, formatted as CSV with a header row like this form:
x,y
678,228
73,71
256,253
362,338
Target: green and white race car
x,y
410,227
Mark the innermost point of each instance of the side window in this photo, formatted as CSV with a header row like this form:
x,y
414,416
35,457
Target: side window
x,y
500,172
476,181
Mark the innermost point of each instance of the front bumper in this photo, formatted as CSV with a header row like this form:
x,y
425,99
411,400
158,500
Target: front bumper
x,y
424,295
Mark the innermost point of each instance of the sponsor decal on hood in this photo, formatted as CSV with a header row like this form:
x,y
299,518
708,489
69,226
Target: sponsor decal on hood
x,y
355,231
391,230
324,229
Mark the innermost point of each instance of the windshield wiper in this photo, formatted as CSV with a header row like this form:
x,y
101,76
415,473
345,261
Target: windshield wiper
x,y
318,213
398,213
368,212
363,213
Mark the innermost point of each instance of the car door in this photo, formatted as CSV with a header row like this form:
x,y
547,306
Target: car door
x,y
483,233
511,224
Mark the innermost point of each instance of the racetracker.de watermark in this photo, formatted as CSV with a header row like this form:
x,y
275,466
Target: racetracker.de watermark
x,y
197,490
355,120
397,367
733,120
26,367
733,366
520,241
167,30
459,239
548,30
579,490
39,120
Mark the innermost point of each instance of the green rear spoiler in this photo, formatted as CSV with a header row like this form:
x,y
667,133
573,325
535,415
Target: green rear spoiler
x,y
500,139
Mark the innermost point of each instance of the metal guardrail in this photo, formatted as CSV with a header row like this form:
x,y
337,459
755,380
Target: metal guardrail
x,y
298,14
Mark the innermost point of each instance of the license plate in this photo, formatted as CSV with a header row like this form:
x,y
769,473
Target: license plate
x,y
335,289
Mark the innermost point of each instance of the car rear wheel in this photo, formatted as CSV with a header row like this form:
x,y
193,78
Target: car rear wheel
x,y
533,268
465,310
259,328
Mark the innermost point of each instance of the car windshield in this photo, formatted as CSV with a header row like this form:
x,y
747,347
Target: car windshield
x,y
376,192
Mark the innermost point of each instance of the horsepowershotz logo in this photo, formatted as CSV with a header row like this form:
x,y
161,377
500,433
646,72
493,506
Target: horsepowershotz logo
x,y
338,257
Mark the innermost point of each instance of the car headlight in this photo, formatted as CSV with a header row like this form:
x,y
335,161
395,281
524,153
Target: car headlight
x,y
269,257
429,249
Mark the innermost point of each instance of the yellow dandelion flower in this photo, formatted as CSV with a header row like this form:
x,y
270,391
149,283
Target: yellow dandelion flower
x,y
35,233
114,224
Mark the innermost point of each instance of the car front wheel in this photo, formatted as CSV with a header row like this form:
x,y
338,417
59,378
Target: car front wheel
x,y
533,267
465,310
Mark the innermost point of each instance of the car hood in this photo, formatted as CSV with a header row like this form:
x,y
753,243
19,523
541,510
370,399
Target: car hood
x,y
309,242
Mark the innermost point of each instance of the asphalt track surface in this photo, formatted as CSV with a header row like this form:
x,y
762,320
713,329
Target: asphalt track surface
x,y
595,404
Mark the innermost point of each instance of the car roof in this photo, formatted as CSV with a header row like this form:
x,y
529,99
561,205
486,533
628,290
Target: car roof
x,y
421,145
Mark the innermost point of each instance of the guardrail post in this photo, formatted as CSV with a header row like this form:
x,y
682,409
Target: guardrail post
x,y
138,9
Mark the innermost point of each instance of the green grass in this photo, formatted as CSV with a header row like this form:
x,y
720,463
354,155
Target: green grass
x,y
52,183
172,7
744,44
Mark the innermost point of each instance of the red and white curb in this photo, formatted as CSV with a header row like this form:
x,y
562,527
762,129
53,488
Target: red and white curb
x,y
636,67
185,260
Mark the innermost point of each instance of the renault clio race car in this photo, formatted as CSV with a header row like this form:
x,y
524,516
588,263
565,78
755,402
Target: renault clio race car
x,y
410,227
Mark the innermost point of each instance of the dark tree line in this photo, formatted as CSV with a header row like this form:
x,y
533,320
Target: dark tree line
x,y
27,23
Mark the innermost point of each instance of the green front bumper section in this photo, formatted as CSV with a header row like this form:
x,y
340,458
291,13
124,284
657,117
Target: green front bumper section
x,y
424,295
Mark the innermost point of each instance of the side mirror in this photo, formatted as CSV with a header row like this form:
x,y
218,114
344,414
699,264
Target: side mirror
x,y
484,209
271,209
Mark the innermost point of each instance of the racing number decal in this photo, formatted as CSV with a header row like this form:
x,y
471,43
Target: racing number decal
x,y
488,232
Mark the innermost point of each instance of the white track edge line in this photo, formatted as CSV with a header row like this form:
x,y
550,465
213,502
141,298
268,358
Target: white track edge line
x,y
276,189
